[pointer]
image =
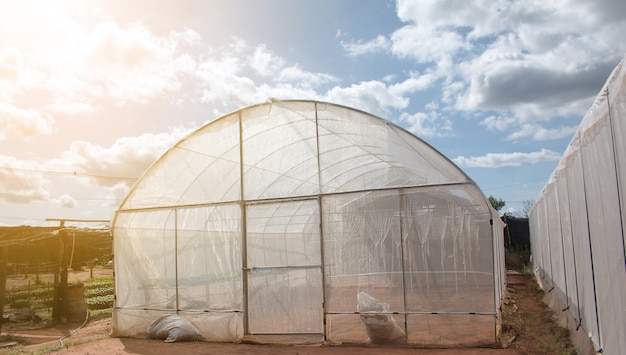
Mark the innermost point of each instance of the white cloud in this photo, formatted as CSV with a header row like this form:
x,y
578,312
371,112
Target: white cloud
x,y
499,160
25,181
427,124
528,59
127,64
499,123
379,44
538,133
10,64
112,47
127,157
415,82
450,91
295,74
185,38
133,64
116,193
23,122
18,183
225,84
426,44
372,96
265,62
479,17
72,108
77,72
379,98
502,84
65,201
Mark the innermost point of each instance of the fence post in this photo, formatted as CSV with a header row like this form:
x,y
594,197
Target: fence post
x,y
4,258
60,278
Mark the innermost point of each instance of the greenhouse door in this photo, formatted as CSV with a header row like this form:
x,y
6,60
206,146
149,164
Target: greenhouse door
x,y
284,274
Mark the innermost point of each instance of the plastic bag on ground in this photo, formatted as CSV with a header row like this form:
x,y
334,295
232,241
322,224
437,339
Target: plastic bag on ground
x,y
381,327
172,328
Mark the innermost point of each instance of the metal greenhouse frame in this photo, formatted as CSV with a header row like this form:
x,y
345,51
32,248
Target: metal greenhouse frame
x,y
304,219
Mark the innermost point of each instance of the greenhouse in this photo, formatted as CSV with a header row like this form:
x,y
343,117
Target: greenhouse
x,y
307,221
577,226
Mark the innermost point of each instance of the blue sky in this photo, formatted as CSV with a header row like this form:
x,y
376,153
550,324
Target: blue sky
x,y
92,92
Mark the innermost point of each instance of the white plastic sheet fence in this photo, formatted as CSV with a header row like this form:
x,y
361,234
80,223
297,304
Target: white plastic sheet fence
x,y
272,219
577,224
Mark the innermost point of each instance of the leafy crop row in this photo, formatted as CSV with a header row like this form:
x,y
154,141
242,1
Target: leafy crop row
x,y
99,294
100,302
27,292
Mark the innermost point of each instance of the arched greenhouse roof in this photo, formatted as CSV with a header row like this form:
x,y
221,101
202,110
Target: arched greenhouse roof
x,y
282,149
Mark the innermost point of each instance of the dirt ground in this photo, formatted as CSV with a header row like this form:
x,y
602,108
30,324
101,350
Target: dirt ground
x,y
528,329
94,339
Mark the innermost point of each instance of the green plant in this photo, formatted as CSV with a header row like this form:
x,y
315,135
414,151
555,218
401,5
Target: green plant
x,y
99,293
21,305
556,342
496,203
100,302
528,270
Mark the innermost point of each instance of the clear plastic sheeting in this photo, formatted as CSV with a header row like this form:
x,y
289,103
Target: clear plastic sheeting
x,y
577,224
216,327
271,220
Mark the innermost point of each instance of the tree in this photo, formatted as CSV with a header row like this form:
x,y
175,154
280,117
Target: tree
x,y
496,203
528,206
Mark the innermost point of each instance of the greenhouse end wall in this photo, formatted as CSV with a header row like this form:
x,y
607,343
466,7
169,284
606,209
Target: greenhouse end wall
x,y
345,223
577,226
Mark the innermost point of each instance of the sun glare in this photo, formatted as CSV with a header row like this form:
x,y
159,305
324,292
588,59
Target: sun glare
x,y
30,22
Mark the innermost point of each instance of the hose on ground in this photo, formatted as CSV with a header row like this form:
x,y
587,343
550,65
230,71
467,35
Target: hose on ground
x,y
75,330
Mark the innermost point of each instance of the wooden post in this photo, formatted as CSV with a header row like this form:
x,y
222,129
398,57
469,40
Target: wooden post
x,y
60,278
61,275
4,256
57,302
63,280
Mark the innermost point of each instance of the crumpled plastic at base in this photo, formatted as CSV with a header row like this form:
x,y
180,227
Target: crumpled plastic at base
x,y
381,327
172,328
